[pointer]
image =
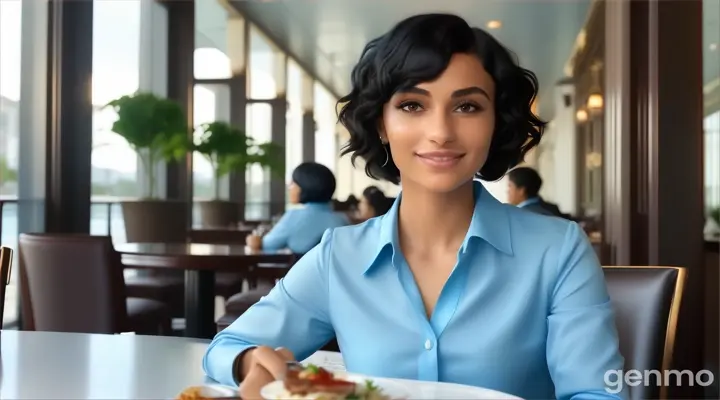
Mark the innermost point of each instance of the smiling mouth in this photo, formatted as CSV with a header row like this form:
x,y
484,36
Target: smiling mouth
x,y
440,160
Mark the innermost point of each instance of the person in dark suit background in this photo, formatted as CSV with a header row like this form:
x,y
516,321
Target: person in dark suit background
x,y
524,191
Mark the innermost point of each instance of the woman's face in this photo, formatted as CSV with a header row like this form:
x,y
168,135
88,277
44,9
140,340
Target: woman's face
x,y
294,193
365,210
439,132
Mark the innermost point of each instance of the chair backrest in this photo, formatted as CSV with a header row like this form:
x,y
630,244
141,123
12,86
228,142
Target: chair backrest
x,y
6,258
72,283
647,303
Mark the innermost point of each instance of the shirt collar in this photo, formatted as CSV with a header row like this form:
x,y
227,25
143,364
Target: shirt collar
x,y
322,206
490,222
532,200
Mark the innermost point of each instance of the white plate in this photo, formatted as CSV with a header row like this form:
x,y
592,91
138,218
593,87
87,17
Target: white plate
x,y
396,390
212,391
407,389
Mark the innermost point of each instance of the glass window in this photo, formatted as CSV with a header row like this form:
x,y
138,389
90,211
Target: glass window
x,y
712,161
257,178
711,90
211,36
10,74
325,120
263,67
294,127
116,70
211,103
23,101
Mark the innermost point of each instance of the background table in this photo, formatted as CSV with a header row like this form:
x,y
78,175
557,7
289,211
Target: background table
x,y
50,365
200,262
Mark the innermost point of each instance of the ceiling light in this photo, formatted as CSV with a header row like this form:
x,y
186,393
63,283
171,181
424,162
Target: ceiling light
x,y
494,24
595,102
713,46
581,115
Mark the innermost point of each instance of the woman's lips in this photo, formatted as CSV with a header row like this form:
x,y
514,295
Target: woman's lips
x,y
440,159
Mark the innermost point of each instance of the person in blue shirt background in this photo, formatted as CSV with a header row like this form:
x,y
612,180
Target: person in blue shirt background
x,y
450,284
524,185
300,229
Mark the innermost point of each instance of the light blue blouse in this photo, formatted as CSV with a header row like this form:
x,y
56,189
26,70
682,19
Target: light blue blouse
x,y
300,229
525,310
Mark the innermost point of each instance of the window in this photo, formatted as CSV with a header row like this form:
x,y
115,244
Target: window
x,y
325,120
23,95
711,90
257,179
211,103
263,67
10,74
294,127
712,161
211,37
116,72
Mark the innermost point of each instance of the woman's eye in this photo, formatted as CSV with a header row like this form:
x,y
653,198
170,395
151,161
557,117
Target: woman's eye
x,y
410,107
468,108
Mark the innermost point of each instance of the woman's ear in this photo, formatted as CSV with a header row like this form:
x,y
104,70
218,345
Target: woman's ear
x,y
381,132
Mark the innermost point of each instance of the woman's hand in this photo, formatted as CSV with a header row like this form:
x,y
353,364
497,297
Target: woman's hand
x,y
254,242
261,366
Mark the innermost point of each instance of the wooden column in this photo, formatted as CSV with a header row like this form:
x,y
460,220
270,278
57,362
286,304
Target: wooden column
x,y
69,122
654,188
181,48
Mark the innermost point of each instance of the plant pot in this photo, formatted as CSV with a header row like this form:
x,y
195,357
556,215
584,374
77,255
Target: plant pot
x,y
155,221
219,213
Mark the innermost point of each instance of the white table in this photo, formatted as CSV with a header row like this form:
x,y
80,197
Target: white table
x,y
51,365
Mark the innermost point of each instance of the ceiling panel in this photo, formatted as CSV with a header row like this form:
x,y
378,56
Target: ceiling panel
x,y
327,36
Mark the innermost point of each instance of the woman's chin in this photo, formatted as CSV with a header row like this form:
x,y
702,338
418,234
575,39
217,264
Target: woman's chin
x,y
437,183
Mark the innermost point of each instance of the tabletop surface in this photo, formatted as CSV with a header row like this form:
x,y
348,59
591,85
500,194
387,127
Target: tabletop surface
x,y
52,365
192,250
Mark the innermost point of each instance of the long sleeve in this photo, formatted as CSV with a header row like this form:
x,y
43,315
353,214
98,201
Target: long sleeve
x,y
279,235
582,343
293,315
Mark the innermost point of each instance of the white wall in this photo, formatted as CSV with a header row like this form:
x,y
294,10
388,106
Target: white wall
x,y
353,180
556,156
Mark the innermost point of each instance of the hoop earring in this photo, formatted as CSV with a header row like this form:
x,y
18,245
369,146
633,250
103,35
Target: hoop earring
x,y
387,156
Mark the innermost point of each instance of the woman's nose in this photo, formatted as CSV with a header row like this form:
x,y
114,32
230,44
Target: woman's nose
x,y
439,128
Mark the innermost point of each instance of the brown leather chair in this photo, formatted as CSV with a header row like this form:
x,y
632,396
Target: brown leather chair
x,y
74,283
6,258
647,303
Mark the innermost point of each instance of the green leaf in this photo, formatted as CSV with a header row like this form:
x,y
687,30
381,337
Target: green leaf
x,y
229,149
152,123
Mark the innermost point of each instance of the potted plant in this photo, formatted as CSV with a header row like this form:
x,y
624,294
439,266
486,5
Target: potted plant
x,y
156,129
229,149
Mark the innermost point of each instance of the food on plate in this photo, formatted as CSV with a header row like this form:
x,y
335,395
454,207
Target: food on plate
x,y
206,393
317,383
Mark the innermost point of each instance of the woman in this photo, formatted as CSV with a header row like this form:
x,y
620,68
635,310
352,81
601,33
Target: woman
x,y
302,228
373,203
450,285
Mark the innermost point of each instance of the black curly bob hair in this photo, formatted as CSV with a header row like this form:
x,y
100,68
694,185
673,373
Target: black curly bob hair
x,y
416,50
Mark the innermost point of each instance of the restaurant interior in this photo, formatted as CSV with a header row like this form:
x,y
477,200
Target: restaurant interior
x,y
138,249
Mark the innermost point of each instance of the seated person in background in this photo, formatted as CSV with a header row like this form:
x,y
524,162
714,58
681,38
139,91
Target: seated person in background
x,y
524,191
373,203
301,229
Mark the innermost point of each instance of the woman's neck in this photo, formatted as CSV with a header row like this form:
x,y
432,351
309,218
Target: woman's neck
x,y
434,221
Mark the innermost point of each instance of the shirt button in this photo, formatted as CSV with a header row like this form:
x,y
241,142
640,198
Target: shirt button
x,y
428,345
